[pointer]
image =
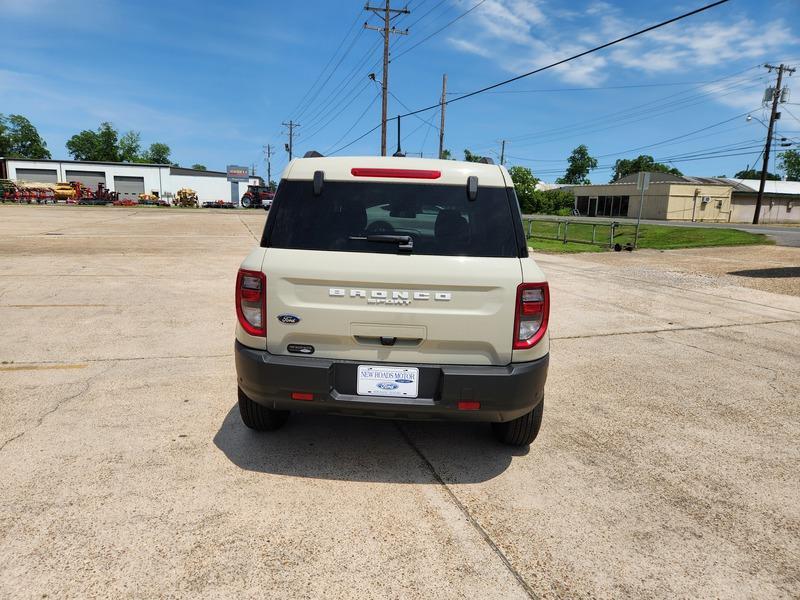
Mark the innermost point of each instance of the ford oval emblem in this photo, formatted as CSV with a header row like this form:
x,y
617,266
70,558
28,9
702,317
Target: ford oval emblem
x,y
388,386
288,319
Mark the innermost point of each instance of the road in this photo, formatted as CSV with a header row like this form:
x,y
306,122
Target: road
x,y
666,465
784,235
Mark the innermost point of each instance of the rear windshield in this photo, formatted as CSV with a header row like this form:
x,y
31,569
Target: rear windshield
x,y
438,219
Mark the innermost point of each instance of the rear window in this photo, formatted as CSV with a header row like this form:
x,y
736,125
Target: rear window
x,y
438,219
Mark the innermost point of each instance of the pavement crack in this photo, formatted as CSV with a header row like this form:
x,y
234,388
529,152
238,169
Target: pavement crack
x,y
126,359
668,329
580,272
250,231
714,353
87,384
465,511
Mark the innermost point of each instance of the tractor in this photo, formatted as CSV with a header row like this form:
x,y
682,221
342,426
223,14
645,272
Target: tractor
x,y
257,196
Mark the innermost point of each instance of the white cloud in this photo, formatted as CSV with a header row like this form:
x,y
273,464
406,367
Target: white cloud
x,y
466,46
521,35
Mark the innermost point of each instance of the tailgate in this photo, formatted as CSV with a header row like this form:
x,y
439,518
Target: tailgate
x,y
391,308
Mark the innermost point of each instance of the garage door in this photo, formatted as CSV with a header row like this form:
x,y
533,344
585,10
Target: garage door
x,y
129,187
88,178
38,175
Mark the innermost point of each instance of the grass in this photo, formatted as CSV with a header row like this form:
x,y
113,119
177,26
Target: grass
x,y
657,237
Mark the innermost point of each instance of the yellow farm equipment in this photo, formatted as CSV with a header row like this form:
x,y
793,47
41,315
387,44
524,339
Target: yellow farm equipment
x,y
186,197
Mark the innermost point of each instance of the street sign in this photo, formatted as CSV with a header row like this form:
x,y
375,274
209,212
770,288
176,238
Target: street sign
x,y
643,182
237,173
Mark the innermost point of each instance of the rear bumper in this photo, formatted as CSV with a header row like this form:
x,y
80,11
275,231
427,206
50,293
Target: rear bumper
x,y
504,393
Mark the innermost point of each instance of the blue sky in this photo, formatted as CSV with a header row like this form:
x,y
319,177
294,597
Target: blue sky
x,y
215,80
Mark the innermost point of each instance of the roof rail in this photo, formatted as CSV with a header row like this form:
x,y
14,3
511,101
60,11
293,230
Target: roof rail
x,y
486,160
312,154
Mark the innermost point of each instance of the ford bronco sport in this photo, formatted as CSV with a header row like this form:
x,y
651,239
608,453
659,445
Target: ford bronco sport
x,y
395,288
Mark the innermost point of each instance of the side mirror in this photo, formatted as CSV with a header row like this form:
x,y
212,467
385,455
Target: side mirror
x,y
319,178
472,187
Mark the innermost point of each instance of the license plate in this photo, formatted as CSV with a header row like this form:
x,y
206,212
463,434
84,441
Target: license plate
x,y
387,381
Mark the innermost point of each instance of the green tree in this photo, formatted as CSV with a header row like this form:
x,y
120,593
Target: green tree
x,y
107,148
753,174
5,143
470,157
642,163
199,167
554,202
580,163
789,161
102,144
81,146
525,187
273,185
158,153
130,146
446,155
20,139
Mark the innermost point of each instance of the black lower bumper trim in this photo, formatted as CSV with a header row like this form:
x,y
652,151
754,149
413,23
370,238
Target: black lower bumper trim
x,y
504,392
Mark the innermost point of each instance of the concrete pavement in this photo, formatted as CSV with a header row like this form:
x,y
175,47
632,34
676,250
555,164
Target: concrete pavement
x,y
666,466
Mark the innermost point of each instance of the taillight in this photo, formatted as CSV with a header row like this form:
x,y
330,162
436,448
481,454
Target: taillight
x,y
532,313
251,301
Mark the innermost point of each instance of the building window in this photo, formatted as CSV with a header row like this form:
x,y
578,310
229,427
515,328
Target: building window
x,y
612,206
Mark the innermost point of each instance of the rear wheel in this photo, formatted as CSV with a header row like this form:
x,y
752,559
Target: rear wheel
x,y
522,430
260,417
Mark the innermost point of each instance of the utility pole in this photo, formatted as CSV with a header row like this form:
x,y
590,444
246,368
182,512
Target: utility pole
x,y
268,154
773,116
386,31
441,124
502,152
291,125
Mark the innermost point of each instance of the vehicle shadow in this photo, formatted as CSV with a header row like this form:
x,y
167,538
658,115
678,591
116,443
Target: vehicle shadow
x,y
777,272
374,450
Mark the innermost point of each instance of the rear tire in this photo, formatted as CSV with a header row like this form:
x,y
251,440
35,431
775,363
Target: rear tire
x,y
522,430
260,417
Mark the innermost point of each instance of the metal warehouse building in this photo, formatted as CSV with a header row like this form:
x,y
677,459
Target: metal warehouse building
x,y
129,179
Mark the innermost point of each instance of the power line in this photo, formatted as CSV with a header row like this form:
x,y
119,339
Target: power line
x,y
330,60
655,144
357,121
560,62
630,112
358,139
338,89
648,108
576,56
438,31
585,89
344,102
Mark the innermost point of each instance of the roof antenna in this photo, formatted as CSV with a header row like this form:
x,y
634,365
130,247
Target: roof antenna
x,y
399,152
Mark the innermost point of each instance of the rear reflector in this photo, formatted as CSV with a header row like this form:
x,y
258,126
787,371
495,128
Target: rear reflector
x,y
469,405
302,396
396,173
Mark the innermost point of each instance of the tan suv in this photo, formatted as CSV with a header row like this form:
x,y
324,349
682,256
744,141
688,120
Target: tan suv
x,y
394,288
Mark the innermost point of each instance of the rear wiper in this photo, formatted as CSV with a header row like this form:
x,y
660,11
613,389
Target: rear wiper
x,y
404,242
